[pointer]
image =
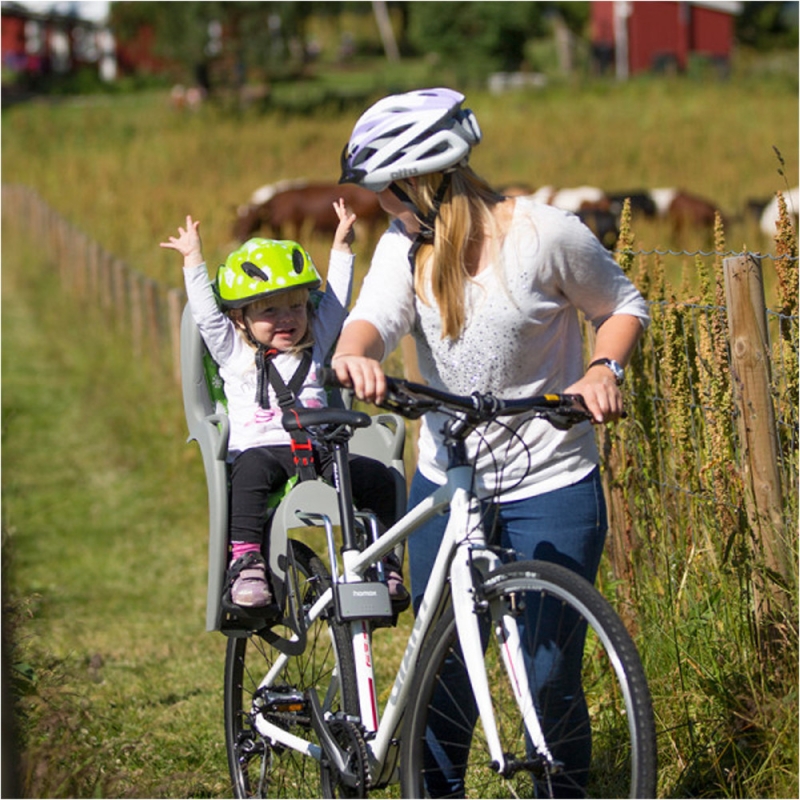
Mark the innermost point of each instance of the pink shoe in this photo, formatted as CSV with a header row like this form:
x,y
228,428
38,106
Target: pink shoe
x,y
247,577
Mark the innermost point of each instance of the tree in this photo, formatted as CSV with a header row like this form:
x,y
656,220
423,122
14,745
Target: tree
x,y
252,34
767,25
487,36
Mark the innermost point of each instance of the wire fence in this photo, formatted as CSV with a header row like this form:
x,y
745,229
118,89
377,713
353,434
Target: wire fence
x,y
678,472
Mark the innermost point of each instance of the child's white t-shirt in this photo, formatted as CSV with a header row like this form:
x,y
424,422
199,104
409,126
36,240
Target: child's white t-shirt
x,y
251,425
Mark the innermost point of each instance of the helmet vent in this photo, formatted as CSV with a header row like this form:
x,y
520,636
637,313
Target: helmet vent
x,y
298,261
249,268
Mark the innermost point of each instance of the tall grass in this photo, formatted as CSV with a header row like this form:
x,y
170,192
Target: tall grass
x,y
127,170
104,506
103,559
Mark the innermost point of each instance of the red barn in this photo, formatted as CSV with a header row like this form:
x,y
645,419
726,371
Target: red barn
x,y
42,44
660,36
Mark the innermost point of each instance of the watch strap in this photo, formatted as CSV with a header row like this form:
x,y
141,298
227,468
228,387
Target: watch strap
x,y
615,367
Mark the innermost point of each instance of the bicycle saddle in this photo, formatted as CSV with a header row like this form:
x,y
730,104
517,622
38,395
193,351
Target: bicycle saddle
x,y
298,418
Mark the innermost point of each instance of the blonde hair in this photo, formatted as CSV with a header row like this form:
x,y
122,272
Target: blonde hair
x,y
464,221
287,298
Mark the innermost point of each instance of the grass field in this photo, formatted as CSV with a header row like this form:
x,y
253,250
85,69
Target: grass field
x,y
104,509
127,170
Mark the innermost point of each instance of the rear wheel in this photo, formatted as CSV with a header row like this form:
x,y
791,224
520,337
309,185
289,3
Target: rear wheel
x,y
258,767
597,721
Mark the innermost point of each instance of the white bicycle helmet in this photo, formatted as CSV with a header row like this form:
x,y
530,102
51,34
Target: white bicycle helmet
x,y
409,134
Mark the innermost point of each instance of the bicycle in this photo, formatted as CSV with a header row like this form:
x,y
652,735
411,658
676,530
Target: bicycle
x,y
302,716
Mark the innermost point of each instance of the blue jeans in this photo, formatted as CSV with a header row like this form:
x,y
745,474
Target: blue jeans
x,y
566,526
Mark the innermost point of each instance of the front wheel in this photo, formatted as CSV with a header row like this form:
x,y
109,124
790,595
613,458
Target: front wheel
x,y
261,683
586,684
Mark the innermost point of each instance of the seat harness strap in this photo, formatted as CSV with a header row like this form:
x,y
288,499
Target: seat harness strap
x,y
268,375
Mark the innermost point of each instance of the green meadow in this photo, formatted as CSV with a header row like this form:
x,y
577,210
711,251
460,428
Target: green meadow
x,y
104,507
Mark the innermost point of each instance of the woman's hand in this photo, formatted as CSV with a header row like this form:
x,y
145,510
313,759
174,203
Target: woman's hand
x,y
363,375
600,392
616,339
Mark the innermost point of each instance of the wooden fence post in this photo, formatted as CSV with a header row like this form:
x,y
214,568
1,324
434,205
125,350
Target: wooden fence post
x,y
137,314
120,294
750,360
151,317
176,299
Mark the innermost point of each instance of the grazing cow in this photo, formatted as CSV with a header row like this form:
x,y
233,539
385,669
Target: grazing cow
x,y
589,204
288,212
769,216
574,200
688,212
515,190
641,202
581,198
264,193
602,223
662,198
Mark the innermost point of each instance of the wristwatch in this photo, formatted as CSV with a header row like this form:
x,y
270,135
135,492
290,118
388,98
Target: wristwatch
x,y
614,366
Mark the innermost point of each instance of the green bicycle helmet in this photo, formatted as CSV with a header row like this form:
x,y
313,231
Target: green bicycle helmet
x,y
262,267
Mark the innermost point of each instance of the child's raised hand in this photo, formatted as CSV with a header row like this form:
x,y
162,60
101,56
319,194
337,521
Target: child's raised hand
x,y
345,234
187,243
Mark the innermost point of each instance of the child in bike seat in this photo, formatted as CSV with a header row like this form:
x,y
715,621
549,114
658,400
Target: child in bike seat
x,y
269,341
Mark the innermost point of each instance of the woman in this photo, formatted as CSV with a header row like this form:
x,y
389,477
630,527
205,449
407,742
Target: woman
x,y
491,289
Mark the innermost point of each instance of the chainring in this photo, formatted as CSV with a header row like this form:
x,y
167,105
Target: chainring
x,y
351,739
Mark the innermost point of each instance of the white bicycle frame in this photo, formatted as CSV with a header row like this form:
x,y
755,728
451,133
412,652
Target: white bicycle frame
x,y
463,550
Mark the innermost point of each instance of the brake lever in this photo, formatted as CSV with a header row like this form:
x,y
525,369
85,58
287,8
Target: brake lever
x,y
406,405
571,413
568,413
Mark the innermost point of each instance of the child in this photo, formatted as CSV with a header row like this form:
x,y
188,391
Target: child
x,y
269,343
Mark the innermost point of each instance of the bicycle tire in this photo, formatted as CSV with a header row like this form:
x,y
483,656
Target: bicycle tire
x,y
620,735
258,768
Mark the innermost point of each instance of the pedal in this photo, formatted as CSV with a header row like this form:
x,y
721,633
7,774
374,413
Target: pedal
x,y
283,702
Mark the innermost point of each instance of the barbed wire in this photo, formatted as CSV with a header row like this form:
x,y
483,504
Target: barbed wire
x,y
703,253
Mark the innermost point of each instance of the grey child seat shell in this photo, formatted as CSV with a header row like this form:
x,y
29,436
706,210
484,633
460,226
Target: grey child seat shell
x,y
209,426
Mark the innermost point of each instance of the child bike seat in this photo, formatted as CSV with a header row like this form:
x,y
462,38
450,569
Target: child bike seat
x,y
207,420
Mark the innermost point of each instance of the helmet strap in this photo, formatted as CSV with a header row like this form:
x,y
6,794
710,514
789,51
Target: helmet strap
x,y
427,229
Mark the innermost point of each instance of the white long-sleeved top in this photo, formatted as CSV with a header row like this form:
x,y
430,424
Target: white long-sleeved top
x,y
251,425
522,337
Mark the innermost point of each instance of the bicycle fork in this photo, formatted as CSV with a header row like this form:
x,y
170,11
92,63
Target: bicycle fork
x,y
469,559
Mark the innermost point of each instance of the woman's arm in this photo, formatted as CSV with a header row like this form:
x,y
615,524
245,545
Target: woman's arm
x,y
616,340
357,361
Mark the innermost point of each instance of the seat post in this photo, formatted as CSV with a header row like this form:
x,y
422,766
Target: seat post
x,y
344,491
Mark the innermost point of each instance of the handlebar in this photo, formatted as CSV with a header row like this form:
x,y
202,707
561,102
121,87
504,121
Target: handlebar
x,y
412,400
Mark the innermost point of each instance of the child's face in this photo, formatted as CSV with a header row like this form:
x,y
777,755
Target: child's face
x,y
279,321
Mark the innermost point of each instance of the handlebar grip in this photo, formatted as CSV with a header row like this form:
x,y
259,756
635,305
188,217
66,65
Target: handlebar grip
x,y
327,378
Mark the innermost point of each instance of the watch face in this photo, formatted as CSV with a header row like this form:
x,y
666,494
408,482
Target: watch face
x,y
616,369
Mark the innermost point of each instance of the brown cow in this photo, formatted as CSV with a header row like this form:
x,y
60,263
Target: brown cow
x,y
288,212
685,211
689,212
